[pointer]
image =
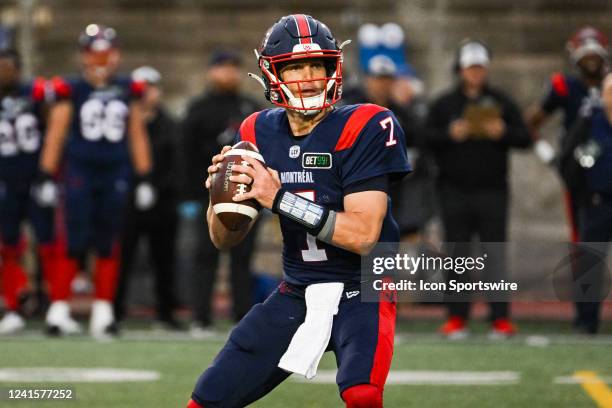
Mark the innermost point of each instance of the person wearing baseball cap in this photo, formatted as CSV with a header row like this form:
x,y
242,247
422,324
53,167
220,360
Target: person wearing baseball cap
x,y
470,129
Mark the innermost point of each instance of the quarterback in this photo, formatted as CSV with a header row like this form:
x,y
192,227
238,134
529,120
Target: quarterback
x,y
327,176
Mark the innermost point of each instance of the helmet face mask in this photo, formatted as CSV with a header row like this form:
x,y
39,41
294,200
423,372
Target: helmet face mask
x,y
280,93
300,38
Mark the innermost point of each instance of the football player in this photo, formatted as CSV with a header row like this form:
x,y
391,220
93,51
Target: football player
x,y
22,125
96,125
327,177
588,51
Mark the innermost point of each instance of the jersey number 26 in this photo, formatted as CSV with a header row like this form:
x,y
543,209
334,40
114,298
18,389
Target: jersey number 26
x,y
22,136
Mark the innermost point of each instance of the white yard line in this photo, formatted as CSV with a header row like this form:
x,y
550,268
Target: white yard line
x,y
572,380
79,375
127,335
403,377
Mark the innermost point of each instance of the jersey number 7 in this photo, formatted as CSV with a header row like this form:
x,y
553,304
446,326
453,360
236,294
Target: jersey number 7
x,y
386,122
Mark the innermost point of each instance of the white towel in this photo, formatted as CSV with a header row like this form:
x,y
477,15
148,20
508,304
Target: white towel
x,y
311,338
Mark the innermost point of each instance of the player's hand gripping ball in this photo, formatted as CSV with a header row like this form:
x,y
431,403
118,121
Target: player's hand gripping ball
x,y
234,215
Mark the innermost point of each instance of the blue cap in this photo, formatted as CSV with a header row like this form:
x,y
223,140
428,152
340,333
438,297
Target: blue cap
x,y
219,57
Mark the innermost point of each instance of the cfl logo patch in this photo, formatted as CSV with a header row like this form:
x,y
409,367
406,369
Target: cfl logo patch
x,y
294,152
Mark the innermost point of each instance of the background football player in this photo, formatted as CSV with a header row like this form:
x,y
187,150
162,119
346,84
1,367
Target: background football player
x,y
333,212
97,126
588,50
22,125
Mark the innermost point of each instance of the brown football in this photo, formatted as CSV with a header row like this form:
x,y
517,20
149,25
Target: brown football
x,y
234,215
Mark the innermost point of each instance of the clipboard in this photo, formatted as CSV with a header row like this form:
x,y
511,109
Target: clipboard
x,y
477,115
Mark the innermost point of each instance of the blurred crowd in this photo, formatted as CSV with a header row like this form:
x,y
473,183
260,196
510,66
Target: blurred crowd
x,y
95,164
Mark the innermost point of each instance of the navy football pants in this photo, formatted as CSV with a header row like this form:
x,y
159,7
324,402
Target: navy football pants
x,y
95,201
591,278
246,368
16,205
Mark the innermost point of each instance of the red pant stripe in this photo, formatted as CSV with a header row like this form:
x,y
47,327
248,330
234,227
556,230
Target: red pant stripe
x,y
386,334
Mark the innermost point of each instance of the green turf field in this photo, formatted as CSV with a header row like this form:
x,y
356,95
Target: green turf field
x,y
537,362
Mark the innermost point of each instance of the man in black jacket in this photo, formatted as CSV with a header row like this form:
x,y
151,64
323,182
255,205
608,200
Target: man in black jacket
x,y
212,122
159,222
471,129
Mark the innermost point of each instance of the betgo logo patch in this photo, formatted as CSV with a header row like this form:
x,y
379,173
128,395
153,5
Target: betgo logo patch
x,y
317,160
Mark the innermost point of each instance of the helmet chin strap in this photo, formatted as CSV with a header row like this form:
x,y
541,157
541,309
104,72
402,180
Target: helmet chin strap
x,y
311,105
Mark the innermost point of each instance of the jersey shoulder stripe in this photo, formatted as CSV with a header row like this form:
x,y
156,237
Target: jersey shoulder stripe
x,y
559,85
38,87
137,89
62,87
247,129
355,124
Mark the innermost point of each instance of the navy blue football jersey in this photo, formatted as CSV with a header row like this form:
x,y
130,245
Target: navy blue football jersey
x,y
599,177
99,128
21,131
567,93
351,144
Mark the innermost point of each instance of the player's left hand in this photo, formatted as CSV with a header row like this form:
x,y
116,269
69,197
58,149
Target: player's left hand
x,y
45,191
264,181
145,196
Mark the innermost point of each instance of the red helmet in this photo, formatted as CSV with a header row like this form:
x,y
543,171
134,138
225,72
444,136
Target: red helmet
x,y
300,37
585,41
